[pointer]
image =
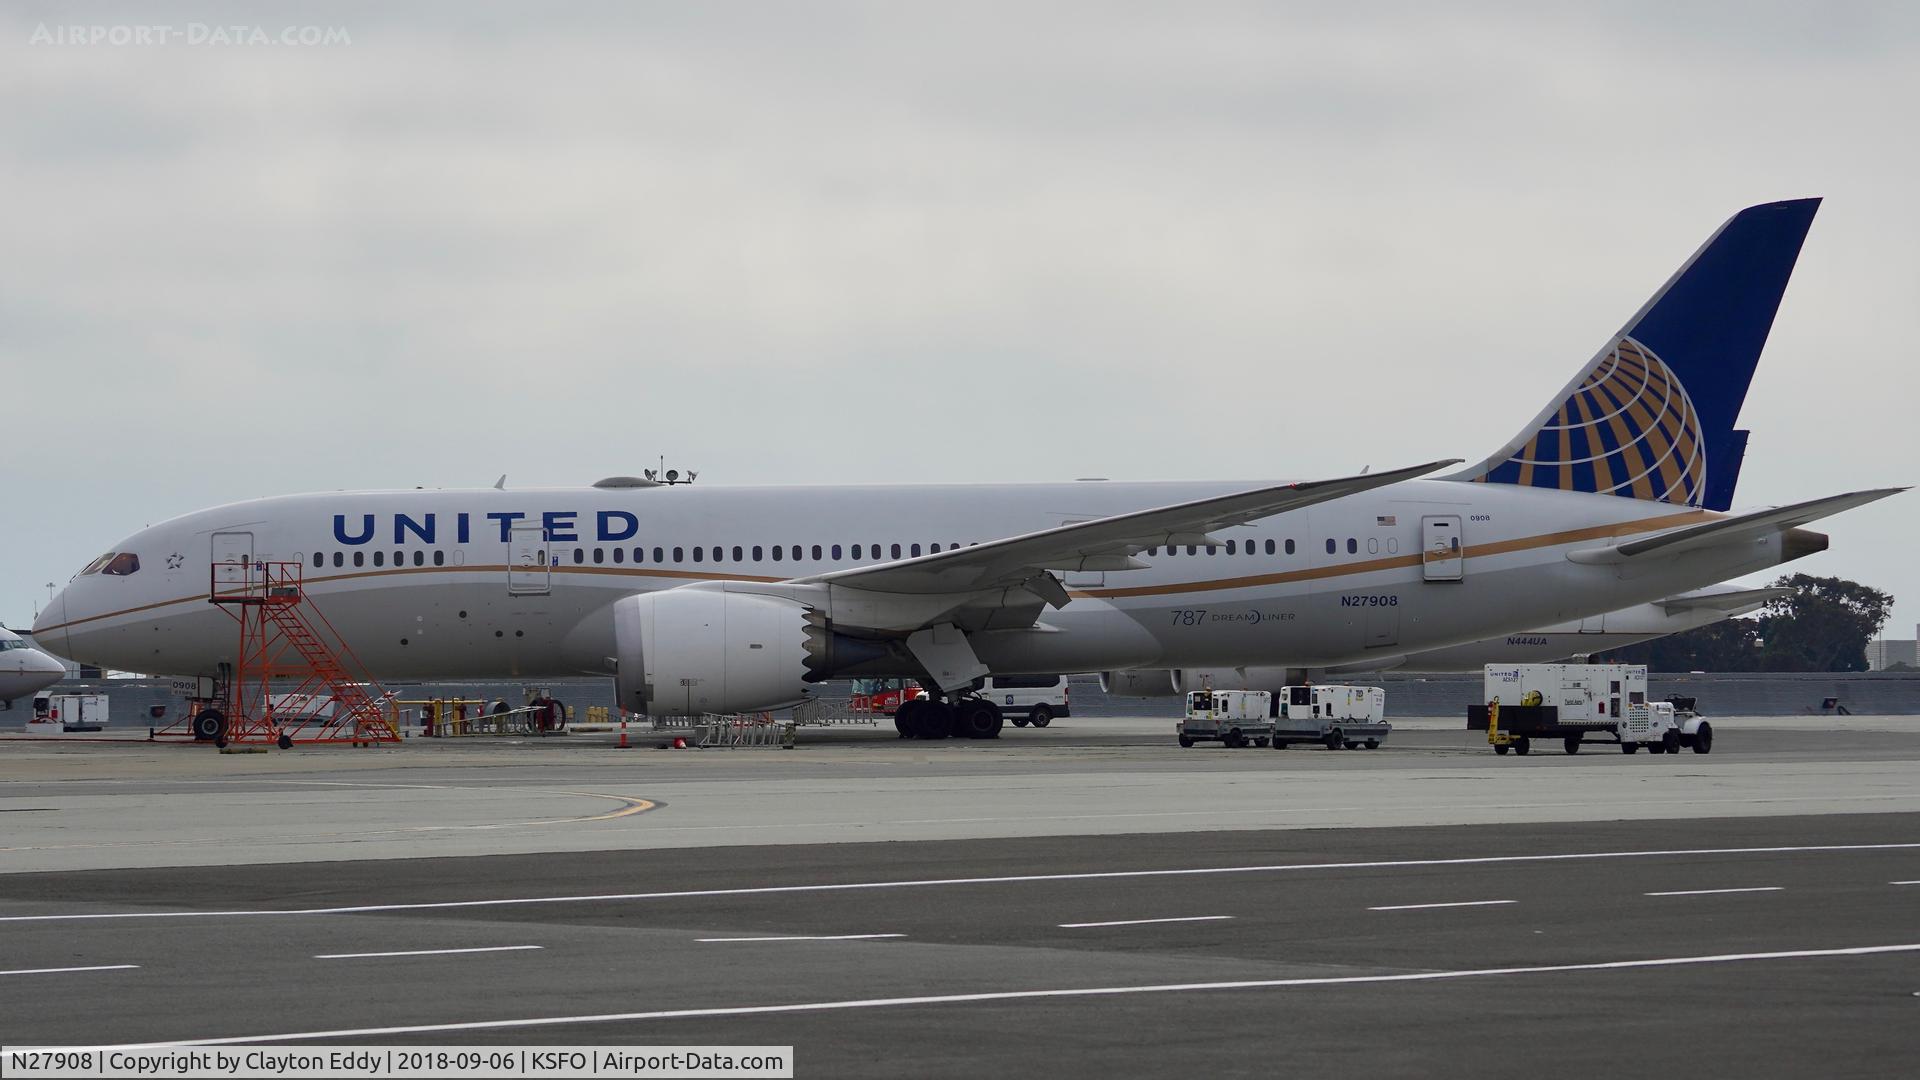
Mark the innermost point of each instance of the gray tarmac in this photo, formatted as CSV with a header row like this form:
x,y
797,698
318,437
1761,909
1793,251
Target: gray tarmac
x,y
1085,900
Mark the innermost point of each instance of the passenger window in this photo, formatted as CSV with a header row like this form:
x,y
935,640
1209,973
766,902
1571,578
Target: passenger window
x,y
738,555
836,553
440,558
619,555
914,551
680,553
419,558
856,553
579,556
658,554
319,559
379,558
359,558
699,554
338,558
1289,547
777,550
1232,546
1330,547
896,551
1353,546
759,553
1153,551
1269,547
599,555
933,549
816,553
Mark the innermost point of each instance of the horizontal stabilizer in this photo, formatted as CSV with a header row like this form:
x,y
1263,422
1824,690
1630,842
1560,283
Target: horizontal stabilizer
x,y
1729,530
1733,601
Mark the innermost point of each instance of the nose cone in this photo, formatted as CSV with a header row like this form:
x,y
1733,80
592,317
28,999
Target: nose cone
x,y
50,629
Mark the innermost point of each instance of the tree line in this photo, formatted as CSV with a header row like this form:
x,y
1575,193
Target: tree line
x,y
1824,624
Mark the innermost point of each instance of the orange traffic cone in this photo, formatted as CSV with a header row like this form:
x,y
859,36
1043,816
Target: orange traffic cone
x,y
623,731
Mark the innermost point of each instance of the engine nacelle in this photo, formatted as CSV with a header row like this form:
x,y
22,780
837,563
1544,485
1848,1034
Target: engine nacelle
x,y
1138,682
684,651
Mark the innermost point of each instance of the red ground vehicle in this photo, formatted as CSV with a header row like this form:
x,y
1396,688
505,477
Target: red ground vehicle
x,y
884,695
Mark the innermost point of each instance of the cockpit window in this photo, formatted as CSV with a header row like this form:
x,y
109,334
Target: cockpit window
x,y
122,565
11,643
94,566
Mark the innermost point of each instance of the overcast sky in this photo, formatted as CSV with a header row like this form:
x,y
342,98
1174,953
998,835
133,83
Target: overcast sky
x,y
894,242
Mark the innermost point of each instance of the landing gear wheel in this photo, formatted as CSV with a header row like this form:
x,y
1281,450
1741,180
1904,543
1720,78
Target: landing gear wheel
x,y
1522,745
1019,721
284,742
1703,740
1041,716
900,722
1501,749
976,719
221,742
936,720
209,724
1572,743
1629,747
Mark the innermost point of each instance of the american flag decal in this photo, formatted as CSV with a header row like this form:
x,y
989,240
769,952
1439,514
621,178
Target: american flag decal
x,y
1386,519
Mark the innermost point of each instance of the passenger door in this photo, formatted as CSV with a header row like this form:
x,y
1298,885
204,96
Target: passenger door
x,y
1441,548
529,571
232,559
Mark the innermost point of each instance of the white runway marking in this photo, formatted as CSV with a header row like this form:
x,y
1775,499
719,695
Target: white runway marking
x,y
804,937
1016,995
1716,892
1013,879
1456,903
1144,922
425,952
57,971
1903,882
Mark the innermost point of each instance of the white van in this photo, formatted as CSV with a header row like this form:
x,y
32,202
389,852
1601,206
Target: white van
x,y
1029,699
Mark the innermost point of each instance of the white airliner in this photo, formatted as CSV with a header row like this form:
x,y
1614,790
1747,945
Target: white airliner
x,y
714,599
24,669
1598,633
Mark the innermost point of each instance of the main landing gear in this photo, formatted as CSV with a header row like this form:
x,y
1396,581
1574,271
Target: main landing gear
x,y
971,717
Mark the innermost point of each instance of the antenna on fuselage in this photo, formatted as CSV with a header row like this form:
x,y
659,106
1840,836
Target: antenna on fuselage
x,y
500,484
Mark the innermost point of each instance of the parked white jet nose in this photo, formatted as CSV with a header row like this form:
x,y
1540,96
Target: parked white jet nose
x,y
50,629
24,670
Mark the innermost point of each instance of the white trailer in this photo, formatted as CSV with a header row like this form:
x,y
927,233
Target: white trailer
x,y
59,713
1334,716
1571,701
1234,717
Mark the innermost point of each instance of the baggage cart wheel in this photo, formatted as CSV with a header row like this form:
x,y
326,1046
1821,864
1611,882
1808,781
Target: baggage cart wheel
x,y
1351,745
1186,743
1522,745
285,742
1332,741
1703,740
1260,742
1629,747
1670,742
1279,744
1501,749
1572,743
1373,744
1235,739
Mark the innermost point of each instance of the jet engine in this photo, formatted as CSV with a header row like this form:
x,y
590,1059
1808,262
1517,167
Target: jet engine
x,y
1138,682
687,651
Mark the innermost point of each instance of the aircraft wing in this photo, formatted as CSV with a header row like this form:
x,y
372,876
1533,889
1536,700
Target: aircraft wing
x,y
1107,543
1732,601
1729,530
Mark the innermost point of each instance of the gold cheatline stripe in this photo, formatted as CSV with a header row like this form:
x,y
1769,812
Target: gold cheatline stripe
x,y
1471,551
